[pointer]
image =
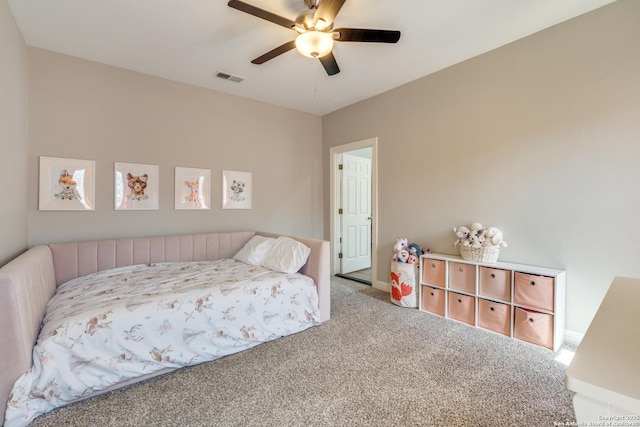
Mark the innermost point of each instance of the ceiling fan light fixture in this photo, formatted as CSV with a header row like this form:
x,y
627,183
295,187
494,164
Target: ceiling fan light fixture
x,y
314,44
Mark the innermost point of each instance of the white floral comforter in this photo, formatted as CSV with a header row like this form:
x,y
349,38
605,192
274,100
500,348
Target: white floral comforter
x,y
108,327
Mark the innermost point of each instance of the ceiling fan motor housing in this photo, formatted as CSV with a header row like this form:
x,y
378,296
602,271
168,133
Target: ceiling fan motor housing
x,y
312,4
306,20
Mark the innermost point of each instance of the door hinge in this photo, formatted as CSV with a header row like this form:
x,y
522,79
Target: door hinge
x,y
340,211
340,255
340,167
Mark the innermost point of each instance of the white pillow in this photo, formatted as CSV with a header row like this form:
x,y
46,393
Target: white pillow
x,y
286,255
255,250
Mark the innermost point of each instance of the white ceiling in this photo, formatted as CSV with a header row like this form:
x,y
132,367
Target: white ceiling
x,y
190,40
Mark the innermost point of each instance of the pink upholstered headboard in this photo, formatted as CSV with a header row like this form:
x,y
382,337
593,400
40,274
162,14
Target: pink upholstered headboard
x,y
71,260
28,282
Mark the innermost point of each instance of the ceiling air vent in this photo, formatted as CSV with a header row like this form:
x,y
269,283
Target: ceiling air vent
x,y
230,77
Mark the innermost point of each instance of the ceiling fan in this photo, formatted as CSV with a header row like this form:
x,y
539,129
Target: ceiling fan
x,y
315,32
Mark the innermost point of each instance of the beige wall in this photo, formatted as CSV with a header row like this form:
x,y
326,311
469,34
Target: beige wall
x,y
13,137
85,110
540,138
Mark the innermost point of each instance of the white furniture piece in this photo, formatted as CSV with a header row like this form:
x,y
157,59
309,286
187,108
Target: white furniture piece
x,y
516,300
605,371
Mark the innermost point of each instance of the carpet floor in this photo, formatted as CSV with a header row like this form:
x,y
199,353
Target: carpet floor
x,y
372,364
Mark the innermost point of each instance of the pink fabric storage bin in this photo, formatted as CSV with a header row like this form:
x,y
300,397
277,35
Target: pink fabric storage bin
x,y
433,300
534,327
495,283
494,316
433,272
462,308
533,291
462,277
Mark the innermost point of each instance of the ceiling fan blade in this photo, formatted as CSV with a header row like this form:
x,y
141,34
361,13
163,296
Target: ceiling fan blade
x,y
261,13
328,9
275,52
329,63
366,35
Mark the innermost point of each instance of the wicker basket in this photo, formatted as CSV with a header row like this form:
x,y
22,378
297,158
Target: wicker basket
x,y
488,254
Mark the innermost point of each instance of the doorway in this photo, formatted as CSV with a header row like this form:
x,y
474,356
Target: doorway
x,y
354,210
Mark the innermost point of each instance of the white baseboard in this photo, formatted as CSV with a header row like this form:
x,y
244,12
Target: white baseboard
x,y
383,286
573,337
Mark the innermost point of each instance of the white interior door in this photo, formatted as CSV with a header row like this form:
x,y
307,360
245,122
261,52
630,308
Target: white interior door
x,y
356,213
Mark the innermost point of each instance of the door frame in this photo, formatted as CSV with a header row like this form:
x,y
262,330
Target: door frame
x,y
334,202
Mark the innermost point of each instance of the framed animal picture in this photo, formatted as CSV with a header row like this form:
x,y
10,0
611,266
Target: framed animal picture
x,y
136,186
236,190
66,184
192,188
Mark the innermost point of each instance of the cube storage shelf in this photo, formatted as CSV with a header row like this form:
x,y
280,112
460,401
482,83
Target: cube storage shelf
x,y
516,300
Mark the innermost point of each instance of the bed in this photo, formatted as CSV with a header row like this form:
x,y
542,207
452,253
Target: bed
x,y
225,281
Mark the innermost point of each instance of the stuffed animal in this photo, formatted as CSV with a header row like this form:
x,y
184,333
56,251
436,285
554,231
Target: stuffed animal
x,y
402,243
476,226
474,239
403,255
405,252
415,249
494,237
462,233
